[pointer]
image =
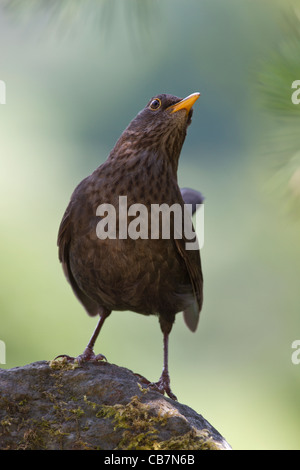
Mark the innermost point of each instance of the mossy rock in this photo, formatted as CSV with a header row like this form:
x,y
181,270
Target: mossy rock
x,y
59,405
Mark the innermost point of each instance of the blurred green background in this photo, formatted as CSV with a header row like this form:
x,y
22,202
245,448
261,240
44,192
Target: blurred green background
x,y
76,73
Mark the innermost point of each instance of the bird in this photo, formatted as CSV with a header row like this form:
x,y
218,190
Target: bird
x,y
147,275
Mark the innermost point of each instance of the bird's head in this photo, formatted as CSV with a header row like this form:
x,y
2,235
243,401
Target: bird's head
x,y
160,127
165,113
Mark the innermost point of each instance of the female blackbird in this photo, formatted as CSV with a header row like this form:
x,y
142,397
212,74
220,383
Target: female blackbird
x,y
155,275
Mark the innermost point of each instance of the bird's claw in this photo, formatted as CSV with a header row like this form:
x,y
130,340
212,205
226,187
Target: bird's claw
x,y
163,386
64,357
88,355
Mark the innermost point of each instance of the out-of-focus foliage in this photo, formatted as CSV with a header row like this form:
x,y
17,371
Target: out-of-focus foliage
x,y
279,70
66,15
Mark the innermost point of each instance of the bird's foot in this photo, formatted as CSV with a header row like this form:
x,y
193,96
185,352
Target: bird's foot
x,y
88,355
163,386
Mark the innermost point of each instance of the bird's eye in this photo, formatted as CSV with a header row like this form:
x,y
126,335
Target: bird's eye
x,y
155,104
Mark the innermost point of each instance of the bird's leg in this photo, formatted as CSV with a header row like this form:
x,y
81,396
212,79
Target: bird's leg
x,y
163,385
88,354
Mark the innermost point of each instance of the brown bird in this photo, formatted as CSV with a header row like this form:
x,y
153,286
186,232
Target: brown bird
x,y
147,275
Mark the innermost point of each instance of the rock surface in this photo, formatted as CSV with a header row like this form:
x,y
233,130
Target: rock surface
x,y
57,405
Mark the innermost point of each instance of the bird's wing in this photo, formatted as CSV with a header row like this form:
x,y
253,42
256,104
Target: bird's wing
x,y
63,242
192,262
193,197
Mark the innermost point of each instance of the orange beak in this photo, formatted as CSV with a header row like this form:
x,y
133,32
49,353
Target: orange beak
x,y
186,103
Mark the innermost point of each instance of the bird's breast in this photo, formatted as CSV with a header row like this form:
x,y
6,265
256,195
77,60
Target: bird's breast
x,y
121,254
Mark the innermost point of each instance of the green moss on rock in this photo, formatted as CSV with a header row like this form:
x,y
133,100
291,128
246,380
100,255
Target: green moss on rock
x,y
59,405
